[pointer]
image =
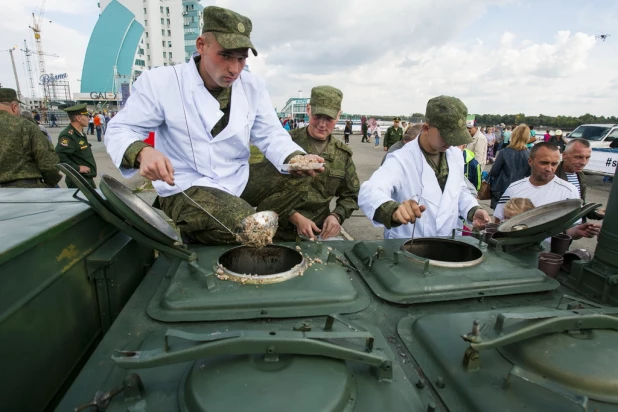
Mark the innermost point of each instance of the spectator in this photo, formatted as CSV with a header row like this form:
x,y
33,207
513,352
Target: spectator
x,y
478,145
472,168
546,136
97,125
491,140
558,140
347,132
511,164
90,124
52,119
410,134
543,187
374,131
532,140
506,137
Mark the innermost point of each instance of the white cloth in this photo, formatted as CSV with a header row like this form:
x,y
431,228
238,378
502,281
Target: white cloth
x,y
479,148
156,104
553,191
406,175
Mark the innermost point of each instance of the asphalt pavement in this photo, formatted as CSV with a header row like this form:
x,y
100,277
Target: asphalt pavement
x,y
366,158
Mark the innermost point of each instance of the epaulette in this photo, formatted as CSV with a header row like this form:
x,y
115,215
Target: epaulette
x,y
343,146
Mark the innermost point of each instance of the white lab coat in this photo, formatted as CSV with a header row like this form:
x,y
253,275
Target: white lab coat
x,y
406,175
156,104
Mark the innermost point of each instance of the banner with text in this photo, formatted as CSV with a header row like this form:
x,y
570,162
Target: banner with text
x,y
603,161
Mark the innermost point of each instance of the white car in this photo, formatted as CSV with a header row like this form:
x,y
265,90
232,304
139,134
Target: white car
x,y
599,135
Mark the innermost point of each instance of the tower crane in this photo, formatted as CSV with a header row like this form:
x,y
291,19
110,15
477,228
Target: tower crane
x,y
29,52
15,72
36,29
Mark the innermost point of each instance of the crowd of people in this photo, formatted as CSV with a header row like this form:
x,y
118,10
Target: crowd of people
x,y
204,139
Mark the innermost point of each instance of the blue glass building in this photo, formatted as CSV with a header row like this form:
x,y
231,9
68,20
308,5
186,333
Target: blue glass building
x,y
192,16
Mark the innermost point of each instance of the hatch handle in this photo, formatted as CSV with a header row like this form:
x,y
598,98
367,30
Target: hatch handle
x,y
258,341
546,326
533,378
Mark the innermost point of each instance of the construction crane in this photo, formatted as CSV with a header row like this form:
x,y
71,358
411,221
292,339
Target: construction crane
x,y
15,72
29,52
36,29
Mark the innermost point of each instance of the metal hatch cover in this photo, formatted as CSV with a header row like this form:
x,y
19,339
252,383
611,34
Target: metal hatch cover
x,y
339,367
401,278
531,359
325,287
137,212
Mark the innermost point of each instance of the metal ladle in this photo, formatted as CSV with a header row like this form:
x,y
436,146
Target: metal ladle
x,y
264,222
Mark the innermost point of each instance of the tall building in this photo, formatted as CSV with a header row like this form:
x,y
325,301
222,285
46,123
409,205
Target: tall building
x,y
193,23
129,37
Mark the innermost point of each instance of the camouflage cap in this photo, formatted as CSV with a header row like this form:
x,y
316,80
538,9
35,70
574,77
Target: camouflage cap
x,y
326,100
448,114
77,109
8,96
229,28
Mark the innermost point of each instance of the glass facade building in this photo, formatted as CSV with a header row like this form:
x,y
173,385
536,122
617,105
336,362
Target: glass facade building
x,y
192,23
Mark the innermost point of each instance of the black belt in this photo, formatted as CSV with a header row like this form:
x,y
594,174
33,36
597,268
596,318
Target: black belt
x,y
27,181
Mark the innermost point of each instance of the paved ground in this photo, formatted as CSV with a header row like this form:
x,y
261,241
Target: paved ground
x,y
367,160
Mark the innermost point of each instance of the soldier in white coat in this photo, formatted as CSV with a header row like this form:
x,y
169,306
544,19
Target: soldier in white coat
x,y
205,113
425,178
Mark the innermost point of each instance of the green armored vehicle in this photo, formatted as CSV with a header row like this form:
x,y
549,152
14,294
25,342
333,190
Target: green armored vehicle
x,y
458,324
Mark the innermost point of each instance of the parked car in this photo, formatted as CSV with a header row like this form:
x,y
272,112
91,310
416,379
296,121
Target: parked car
x,y
599,135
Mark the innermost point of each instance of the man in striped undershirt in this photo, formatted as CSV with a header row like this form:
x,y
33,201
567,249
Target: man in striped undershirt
x,y
574,159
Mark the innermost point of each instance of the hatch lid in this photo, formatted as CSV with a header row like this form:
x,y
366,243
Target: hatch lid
x,y
325,287
542,222
529,358
401,278
339,367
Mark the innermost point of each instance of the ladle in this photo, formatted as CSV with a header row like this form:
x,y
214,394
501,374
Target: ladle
x,y
264,222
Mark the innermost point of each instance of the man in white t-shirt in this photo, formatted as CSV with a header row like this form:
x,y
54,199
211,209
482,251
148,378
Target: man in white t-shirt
x,y
543,187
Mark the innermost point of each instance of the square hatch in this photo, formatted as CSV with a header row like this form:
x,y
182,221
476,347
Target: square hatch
x,y
278,281
453,269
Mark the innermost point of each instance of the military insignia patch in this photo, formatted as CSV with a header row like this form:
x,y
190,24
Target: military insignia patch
x,y
461,122
81,142
241,27
64,141
70,131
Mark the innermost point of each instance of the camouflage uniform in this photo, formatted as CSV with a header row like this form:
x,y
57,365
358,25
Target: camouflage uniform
x,y
27,159
73,148
269,190
392,135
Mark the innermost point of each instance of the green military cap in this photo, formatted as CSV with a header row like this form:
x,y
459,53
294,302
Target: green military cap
x,y
77,109
448,114
396,119
231,29
8,95
326,100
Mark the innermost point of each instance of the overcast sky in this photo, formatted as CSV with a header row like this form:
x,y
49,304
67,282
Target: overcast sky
x,y
389,56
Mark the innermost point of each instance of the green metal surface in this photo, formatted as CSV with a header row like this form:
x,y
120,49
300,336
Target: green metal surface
x,y
527,358
117,267
395,277
541,219
48,307
324,288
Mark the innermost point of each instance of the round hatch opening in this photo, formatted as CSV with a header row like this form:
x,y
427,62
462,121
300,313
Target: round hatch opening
x,y
444,252
269,264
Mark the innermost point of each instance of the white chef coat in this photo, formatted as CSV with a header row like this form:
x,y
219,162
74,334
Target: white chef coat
x,y
406,175
184,135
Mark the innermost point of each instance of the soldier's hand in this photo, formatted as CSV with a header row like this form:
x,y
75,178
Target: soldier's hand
x,y
313,159
304,227
84,169
154,165
385,149
331,227
408,212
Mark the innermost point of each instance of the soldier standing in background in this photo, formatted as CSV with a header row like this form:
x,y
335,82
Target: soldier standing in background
x,y
393,134
27,158
73,147
303,205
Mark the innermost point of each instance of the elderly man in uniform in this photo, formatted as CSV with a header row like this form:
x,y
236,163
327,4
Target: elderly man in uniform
x,y
393,134
303,205
27,158
205,114
73,147
425,177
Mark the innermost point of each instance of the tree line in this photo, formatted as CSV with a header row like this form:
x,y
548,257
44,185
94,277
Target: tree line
x,y
564,122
